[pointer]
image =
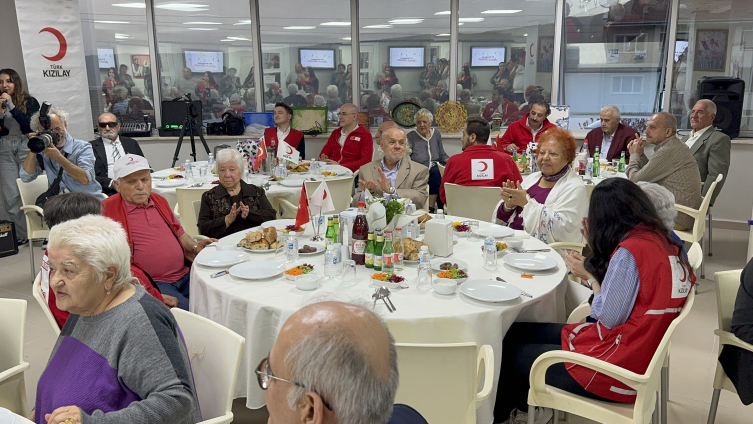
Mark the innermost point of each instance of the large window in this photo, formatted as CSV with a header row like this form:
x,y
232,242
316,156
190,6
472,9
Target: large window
x,y
614,54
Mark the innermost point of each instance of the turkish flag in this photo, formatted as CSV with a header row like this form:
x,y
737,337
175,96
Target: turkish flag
x,y
302,216
261,154
321,199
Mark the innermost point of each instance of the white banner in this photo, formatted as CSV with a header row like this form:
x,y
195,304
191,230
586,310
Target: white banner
x,y
52,43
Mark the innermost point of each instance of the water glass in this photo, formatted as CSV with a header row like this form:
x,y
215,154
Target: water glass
x,y
615,164
203,173
474,225
349,273
490,254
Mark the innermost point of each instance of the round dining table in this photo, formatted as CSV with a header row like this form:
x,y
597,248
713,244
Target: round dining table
x,y
257,309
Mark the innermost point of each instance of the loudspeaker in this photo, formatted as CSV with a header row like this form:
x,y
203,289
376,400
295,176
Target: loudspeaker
x,y
8,241
727,94
174,115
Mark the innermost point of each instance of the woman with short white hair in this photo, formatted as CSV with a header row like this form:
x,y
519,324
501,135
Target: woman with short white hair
x,y
425,146
396,96
664,203
234,205
120,356
333,102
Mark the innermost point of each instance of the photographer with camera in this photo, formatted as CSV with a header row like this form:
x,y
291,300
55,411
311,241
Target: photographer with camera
x,y
67,161
16,108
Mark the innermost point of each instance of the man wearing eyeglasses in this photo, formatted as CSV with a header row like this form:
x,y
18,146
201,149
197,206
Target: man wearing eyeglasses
x,y
108,148
350,145
71,159
332,362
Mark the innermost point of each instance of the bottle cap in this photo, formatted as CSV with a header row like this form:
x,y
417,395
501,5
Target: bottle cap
x,y
388,231
424,248
398,229
361,204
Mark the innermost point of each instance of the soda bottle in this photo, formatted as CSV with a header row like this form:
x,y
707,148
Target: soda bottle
x,y
330,236
370,251
622,162
360,235
398,246
378,247
336,224
388,253
597,167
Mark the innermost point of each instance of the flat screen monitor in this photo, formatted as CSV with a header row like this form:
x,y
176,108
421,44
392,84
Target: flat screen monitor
x,y
199,61
487,56
407,57
317,58
106,58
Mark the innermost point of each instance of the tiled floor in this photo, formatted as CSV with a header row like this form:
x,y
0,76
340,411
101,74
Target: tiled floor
x,y
694,348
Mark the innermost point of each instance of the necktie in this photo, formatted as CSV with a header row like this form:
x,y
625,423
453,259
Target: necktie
x,y
115,151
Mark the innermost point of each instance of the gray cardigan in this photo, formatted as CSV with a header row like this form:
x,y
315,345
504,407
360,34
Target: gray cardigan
x,y
420,149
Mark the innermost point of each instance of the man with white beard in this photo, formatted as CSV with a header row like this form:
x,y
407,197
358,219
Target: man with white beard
x,y
109,148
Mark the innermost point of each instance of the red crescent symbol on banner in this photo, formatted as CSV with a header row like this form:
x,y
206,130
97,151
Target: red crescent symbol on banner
x,y
530,50
325,195
63,44
486,166
289,150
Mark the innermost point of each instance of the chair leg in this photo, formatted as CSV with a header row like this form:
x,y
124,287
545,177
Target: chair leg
x,y
565,417
714,405
556,416
31,257
531,414
710,230
664,393
655,415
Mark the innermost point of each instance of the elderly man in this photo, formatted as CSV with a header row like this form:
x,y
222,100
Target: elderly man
x,y
108,149
709,147
396,96
159,245
378,137
672,166
350,145
274,94
294,99
294,78
230,84
186,83
527,129
69,164
612,137
479,164
282,131
300,378
394,175
473,109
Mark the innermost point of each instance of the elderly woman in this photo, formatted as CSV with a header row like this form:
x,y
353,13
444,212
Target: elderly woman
x,y
426,148
549,203
233,205
119,98
333,102
396,96
120,356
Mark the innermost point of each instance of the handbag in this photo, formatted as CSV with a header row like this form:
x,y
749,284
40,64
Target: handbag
x,y
53,190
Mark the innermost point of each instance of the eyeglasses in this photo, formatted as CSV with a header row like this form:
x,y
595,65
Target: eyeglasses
x,y
345,113
264,375
108,124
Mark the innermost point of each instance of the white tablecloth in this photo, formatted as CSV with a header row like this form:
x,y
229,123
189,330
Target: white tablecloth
x,y
257,309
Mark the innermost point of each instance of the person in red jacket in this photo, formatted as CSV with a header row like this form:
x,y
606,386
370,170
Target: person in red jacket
x,y
612,137
282,131
350,145
479,164
528,129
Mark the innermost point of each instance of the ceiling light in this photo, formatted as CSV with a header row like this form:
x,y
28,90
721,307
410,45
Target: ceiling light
x,y
131,5
299,27
202,23
335,24
501,12
525,35
226,39
183,7
122,36
239,38
443,35
347,38
460,23
470,19
378,26
406,21
243,23
112,22
446,12
202,29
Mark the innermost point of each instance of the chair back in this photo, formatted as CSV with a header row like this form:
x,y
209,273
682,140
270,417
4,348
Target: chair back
x,y
341,189
215,355
36,290
12,364
196,208
186,197
699,225
471,202
441,169
727,285
29,193
695,256
448,396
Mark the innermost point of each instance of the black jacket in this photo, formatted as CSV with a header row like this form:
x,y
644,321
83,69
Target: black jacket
x,y
216,204
23,119
737,362
100,165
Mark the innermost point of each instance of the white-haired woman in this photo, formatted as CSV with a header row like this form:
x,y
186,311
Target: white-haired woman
x,y
120,356
396,96
426,148
334,102
233,205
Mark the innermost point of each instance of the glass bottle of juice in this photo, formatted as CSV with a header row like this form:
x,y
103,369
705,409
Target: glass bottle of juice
x,y
360,235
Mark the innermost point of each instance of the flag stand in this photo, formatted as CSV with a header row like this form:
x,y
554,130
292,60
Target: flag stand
x,y
317,226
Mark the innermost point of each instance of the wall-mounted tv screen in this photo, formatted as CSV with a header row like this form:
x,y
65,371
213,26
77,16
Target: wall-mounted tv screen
x,y
203,61
317,58
487,56
407,57
106,58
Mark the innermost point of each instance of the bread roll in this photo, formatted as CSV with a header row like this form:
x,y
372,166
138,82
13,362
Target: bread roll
x,y
270,234
253,236
260,245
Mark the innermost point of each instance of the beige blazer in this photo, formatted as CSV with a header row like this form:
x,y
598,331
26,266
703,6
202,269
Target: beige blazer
x,y
712,153
412,180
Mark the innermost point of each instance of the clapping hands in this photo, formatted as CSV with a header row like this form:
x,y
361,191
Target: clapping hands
x,y
236,209
513,194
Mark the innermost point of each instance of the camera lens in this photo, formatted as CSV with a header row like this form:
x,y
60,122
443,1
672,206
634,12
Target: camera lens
x,y
39,142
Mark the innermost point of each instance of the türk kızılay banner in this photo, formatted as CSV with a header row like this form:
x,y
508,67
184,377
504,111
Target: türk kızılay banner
x,y
50,32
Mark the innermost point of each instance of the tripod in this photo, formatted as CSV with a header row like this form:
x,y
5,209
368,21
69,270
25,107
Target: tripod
x,y
190,125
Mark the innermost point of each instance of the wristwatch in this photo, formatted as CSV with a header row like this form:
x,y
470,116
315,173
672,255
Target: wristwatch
x,y
392,191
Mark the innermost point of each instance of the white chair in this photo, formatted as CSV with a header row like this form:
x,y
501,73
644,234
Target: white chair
x,y
36,290
186,197
471,202
699,216
341,189
576,292
36,229
215,355
440,380
580,313
695,256
727,285
12,364
441,169
647,384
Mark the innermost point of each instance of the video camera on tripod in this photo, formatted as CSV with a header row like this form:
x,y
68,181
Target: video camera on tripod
x,y
46,137
190,126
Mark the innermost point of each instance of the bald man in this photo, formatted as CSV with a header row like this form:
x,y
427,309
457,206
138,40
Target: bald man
x,y
378,136
350,145
340,363
108,148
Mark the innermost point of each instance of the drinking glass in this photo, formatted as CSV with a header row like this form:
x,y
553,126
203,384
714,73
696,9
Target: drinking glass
x,y
203,171
490,257
615,164
349,273
473,236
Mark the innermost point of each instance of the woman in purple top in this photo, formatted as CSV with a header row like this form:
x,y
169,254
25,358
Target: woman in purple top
x,y
549,204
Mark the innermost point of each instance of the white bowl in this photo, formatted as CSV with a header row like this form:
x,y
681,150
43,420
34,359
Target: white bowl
x,y
225,246
514,242
380,283
308,281
292,277
444,285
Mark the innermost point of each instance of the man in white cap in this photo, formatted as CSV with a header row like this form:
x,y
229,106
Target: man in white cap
x,y
159,245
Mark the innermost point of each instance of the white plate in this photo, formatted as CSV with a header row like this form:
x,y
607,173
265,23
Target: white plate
x,y
171,183
436,262
294,182
490,290
497,231
319,248
257,270
164,173
220,258
280,224
530,261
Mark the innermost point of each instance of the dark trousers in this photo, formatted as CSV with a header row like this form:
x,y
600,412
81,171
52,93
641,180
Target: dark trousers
x,y
179,289
523,343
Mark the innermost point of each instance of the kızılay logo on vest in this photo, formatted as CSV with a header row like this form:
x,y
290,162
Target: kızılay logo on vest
x,y
56,71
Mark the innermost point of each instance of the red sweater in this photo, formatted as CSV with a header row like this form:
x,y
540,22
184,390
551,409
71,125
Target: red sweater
x,y
492,168
355,152
519,133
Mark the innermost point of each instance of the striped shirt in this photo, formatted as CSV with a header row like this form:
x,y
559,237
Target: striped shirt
x,y
613,304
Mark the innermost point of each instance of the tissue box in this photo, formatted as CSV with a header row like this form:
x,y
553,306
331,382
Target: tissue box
x,y
438,236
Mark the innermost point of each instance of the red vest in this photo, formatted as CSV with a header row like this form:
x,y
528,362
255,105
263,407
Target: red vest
x,y
293,138
664,285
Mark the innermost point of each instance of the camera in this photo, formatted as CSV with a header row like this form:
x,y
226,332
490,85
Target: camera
x,y
46,137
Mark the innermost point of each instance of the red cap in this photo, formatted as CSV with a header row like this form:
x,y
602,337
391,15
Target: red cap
x,y
388,232
361,204
398,229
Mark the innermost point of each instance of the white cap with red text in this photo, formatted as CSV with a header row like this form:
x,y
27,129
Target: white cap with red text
x,y
129,164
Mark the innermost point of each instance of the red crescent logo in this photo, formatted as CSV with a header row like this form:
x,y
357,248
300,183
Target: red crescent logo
x,y
63,44
530,50
684,272
325,195
289,150
486,166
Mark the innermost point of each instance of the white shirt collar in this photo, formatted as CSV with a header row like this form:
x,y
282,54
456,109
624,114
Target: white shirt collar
x,y
700,132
